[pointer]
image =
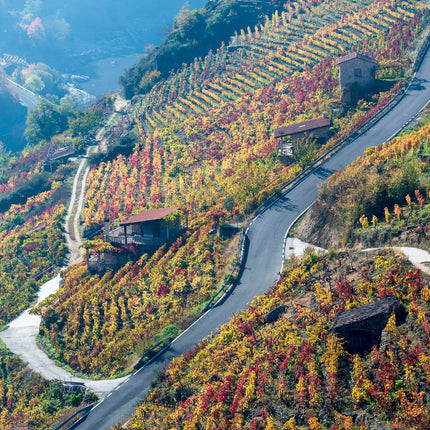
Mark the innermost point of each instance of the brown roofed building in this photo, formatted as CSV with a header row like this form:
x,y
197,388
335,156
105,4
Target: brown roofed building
x,y
148,229
318,128
356,76
62,153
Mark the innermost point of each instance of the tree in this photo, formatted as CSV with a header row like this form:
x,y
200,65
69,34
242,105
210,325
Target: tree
x,y
34,83
86,122
304,151
46,120
148,80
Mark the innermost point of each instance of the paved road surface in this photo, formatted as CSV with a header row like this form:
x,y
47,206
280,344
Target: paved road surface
x,y
26,97
266,237
20,338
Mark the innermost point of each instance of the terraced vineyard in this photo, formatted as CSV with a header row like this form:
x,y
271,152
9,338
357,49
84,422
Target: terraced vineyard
x,y
206,145
288,42
272,367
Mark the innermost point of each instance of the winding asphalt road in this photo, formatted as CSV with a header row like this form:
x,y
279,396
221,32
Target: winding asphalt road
x,y
26,97
263,260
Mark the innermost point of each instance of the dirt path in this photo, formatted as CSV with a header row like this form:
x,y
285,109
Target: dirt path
x,y
296,248
73,238
418,257
119,105
20,337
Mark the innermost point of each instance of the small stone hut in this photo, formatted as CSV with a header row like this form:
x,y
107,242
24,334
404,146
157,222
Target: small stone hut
x,y
361,327
356,76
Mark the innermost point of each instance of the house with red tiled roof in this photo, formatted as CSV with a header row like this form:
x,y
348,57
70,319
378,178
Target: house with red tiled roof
x,y
149,229
144,232
356,76
317,128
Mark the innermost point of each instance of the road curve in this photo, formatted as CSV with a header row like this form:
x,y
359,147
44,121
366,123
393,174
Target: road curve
x,y
263,261
26,97
20,336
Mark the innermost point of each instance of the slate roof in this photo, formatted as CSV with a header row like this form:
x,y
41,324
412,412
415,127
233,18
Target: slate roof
x,y
354,55
367,312
299,127
150,215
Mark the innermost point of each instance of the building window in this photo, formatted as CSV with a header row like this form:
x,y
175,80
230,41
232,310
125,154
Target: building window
x,y
357,73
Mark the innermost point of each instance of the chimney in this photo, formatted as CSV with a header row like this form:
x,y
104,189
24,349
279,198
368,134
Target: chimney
x,y
106,226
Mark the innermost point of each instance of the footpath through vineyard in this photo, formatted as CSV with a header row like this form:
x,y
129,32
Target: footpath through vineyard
x,y
20,337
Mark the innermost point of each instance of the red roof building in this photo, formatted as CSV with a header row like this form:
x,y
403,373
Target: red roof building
x,y
315,126
151,215
354,55
148,229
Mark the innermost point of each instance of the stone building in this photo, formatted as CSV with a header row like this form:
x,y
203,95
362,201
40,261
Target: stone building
x,y
317,128
356,76
361,327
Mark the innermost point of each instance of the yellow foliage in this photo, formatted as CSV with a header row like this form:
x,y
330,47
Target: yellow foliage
x,y
322,295
290,424
314,424
391,325
332,354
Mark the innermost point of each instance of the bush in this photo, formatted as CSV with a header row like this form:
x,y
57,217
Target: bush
x,y
35,185
125,147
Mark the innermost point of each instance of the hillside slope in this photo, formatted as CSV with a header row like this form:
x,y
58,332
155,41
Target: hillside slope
x,y
295,372
219,162
193,34
374,187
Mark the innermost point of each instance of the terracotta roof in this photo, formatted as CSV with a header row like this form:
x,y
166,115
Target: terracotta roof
x,y
312,124
365,312
353,55
149,216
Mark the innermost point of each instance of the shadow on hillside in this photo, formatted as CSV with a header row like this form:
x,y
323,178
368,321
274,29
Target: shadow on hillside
x,y
284,203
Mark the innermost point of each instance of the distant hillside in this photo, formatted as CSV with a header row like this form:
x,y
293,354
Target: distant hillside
x,y
202,140
70,33
194,33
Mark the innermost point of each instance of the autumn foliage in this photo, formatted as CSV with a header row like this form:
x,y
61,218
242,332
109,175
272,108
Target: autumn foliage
x,y
26,398
206,144
295,372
